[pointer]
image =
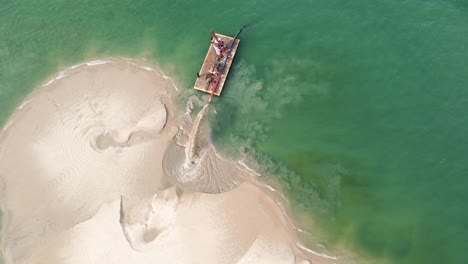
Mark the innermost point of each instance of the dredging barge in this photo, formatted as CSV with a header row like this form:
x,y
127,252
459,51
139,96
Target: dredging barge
x,y
217,63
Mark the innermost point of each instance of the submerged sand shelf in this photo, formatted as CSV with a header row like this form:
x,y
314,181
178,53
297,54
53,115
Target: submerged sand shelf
x,y
85,166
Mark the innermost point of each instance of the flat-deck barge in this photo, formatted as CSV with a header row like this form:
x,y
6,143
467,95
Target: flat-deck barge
x,y
215,68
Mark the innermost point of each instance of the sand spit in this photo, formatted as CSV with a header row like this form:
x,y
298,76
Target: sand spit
x,y
198,137
84,173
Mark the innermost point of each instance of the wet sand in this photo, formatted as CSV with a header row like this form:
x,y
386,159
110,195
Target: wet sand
x,y
93,171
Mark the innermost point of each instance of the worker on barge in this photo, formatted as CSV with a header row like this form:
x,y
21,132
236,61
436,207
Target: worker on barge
x,y
218,44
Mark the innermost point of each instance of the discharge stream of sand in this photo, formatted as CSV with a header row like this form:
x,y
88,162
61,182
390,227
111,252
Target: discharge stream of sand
x,y
94,170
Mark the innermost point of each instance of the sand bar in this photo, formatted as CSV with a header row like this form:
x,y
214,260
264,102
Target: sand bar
x,y
81,165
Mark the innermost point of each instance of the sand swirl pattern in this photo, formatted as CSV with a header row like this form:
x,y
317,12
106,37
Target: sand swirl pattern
x,y
211,174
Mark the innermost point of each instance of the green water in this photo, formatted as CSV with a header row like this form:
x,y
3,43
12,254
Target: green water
x,y
357,107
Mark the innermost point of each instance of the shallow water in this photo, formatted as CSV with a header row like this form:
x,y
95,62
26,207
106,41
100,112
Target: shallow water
x,y
357,107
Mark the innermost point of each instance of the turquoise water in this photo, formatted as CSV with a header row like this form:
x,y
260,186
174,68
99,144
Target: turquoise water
x,y
356,107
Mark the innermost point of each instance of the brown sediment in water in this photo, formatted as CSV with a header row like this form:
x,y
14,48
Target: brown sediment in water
x,y
82,165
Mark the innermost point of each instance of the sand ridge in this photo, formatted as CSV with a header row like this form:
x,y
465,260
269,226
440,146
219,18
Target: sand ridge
x,y
82,166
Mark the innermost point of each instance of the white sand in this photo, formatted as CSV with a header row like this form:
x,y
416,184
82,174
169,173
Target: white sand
x,y
82,177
